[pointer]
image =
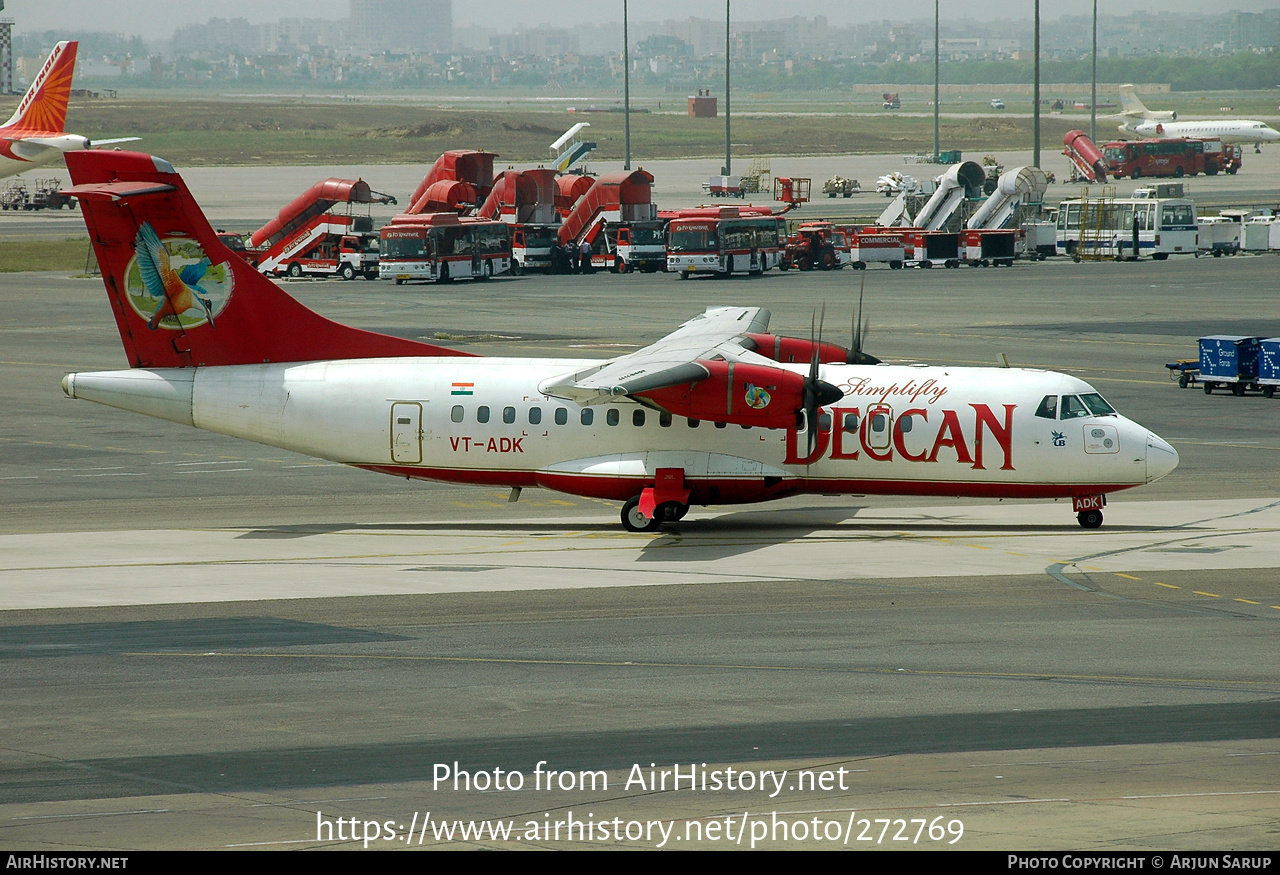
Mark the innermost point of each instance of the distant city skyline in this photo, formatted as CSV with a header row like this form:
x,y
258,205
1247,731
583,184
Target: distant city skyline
x,y
157,19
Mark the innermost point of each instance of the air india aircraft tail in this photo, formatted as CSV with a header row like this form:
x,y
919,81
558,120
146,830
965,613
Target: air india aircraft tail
x,y
180,297
44,106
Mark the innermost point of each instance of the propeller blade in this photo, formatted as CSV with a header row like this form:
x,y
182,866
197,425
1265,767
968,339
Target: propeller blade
x,y
861,327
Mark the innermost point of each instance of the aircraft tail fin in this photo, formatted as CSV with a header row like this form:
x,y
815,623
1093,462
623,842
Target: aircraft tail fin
x,y
180,297
1130,103
44,106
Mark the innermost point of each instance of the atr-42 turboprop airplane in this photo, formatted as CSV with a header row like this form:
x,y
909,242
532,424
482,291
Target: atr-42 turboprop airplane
x,y
1146,123
36,132
718,412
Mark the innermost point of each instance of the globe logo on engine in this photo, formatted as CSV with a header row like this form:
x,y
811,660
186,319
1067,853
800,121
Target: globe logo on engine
x,y
757,398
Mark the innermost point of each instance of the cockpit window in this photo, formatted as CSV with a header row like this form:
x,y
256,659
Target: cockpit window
x,y
1072,408
1048,408
1097,406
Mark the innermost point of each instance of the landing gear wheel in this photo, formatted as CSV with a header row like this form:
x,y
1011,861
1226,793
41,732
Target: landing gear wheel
x,y
634,521
1090,519
295,270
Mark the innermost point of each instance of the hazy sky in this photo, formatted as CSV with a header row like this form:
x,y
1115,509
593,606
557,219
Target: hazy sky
x,y
157,19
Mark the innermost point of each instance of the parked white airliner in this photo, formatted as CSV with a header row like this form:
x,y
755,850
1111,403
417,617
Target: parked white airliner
x,y
717,412
1149,125
36,132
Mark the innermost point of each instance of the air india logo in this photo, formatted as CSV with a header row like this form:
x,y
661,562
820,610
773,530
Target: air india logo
x,y
172,284
757,397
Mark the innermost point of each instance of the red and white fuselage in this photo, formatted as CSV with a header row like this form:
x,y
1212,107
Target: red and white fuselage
x,y
898,430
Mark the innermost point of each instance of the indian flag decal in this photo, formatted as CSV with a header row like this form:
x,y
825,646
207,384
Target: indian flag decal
x,y
463,389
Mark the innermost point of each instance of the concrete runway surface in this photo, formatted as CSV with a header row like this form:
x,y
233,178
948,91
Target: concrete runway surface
x,y
205,643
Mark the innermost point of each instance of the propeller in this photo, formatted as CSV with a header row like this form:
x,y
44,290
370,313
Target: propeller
x,y
817,393
861,326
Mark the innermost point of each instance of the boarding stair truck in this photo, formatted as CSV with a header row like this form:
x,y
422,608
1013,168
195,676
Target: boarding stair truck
x,y
571,149
526,200
959,183
989,236
1013,188
459,182
319,234
617,202
570,187
1087,161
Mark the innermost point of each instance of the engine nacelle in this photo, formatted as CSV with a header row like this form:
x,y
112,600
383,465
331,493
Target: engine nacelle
x,y
798,350
742,394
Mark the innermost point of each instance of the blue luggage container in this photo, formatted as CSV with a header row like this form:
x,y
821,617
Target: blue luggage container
x,y
1269,365
1229,360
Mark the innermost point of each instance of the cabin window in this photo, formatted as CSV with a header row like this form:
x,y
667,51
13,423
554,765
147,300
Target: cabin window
x,y
508,415
456,413
850,422
562,416
879,423
535,415
824,422
637,418
1048,408
904,424
1072,408
588,416
482,414
612,416
664,419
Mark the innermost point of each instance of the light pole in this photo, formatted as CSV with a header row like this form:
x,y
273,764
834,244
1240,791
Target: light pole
x,y
1093,98
626,86
1035,149
936,153
728,160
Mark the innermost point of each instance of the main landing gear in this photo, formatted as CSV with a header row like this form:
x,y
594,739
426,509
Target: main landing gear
x,y
634,521
666,501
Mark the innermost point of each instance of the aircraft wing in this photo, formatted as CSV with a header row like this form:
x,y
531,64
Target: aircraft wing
x,y
671,361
